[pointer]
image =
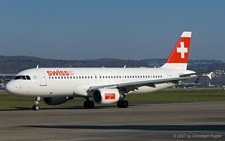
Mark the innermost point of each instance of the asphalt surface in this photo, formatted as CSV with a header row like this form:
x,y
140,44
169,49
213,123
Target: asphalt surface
x,y
158,121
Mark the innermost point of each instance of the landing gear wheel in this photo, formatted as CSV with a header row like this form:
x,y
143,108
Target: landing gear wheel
x,y
89,104
122,104
85,104
35,107
119,104
125,104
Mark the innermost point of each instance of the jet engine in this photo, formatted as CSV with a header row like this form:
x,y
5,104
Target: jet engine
x,y
106,96
56,100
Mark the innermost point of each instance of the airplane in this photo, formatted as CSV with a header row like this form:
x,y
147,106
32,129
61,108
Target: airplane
x,y
104,85
196,83
186,85
2,85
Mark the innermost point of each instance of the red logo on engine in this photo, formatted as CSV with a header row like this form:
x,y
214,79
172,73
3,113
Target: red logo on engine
x,y
60,73
109,96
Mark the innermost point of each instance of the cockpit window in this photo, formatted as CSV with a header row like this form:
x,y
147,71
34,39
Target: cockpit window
x,y
28,77
23,77
17,77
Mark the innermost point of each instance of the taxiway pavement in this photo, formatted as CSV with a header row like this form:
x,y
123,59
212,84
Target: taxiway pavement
x,y
158,121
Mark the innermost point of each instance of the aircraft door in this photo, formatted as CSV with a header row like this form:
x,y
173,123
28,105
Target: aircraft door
x,y
43,81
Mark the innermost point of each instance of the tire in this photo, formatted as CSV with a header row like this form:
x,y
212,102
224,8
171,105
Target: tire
x,y
125,104
91,104
86,104
119,104
35,107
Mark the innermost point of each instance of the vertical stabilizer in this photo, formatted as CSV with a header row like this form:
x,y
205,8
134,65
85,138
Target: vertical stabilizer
x,y
2,80
178,58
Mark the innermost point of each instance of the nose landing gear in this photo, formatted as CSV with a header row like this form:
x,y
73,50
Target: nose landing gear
x,y
35,107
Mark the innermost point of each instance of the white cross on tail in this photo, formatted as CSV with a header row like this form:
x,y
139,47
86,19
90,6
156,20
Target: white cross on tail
x,y
182,50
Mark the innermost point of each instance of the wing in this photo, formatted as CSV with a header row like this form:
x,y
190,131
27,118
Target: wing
x,y
131,86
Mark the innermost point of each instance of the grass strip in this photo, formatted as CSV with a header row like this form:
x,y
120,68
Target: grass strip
x,y
8,101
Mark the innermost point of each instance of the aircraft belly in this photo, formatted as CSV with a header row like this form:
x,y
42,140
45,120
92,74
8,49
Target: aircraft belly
x,y
147,89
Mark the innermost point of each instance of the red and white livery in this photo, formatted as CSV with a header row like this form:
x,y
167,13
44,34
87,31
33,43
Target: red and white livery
x,y
103,85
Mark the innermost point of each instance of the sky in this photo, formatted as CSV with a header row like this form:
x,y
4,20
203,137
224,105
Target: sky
x,y
119,29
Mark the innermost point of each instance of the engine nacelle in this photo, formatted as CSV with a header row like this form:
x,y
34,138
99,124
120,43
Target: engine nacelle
x,y
106,96
56,100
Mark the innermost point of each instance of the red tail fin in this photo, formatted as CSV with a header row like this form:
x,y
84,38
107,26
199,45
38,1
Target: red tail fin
x,y
2,80
178,58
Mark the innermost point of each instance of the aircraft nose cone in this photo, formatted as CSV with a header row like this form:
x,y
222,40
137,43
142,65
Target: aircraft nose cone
x,y
9,88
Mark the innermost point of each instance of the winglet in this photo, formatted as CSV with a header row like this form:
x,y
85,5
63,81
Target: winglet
x,y
209,75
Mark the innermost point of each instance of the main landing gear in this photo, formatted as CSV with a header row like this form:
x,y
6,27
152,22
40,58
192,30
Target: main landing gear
x,y
35,107
122,104
88,104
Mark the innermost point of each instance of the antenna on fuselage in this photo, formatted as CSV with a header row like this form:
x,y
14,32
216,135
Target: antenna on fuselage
x,y
37,66
125,66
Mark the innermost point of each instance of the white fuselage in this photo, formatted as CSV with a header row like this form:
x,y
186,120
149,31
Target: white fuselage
x,y
53,82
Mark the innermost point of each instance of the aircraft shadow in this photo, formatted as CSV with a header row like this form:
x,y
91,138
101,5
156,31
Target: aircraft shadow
x,y
55,108
137,127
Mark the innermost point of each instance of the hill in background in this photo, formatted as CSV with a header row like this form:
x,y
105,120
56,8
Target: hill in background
x,y
15,64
